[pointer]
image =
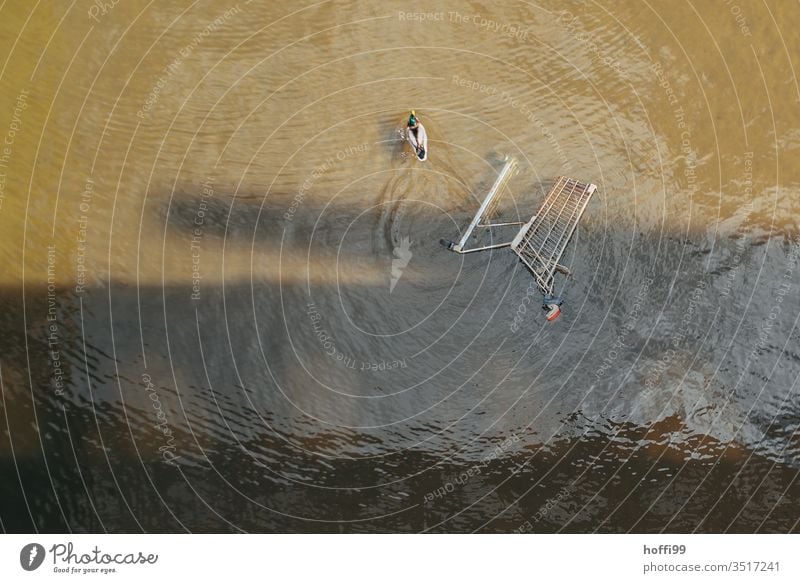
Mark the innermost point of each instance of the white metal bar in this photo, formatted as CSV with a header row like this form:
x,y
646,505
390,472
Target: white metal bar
x,y
498,246
489,225
492,193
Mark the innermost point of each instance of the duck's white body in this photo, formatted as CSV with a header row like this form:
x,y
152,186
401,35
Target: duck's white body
x,y
418,138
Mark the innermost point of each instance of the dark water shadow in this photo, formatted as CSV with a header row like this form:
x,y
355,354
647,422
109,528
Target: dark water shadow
x,y
90,459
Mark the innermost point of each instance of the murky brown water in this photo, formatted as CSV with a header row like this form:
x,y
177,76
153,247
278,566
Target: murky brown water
x,y
204,329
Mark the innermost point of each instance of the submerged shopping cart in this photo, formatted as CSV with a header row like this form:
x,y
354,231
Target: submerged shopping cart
x,y
541,241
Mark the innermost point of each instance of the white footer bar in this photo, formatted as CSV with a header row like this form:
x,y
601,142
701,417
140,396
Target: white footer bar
x,y
399,558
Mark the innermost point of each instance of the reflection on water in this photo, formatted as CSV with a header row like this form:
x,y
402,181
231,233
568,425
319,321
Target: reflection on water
x,y
225,304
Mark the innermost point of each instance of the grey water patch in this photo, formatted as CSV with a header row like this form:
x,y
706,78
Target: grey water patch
x,y
402,255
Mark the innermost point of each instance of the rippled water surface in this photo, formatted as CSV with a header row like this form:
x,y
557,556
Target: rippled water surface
x,y
225,305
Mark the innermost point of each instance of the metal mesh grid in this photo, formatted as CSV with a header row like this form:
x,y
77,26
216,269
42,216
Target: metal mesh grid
x,y
541,242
